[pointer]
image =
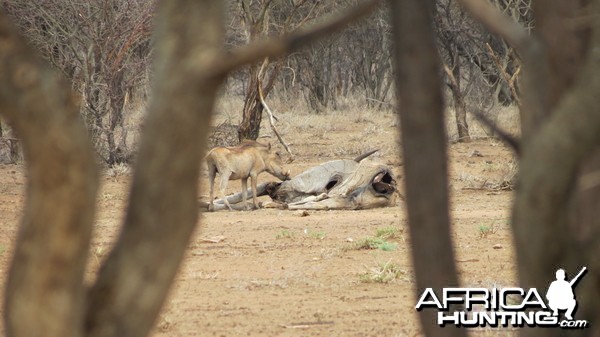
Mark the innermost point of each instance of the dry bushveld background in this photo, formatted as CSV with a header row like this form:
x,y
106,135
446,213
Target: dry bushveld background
x,y
111,241
105,51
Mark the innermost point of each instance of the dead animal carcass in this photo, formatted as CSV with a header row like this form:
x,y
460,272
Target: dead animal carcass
x,y
370,185
337,184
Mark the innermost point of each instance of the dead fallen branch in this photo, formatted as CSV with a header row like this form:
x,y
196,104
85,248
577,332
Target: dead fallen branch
x,y
306,325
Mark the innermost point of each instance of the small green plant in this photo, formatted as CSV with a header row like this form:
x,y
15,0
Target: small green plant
x,y
2,249
374,243
379,241
317,235
388,246
285,234
382,273
389,233
485,230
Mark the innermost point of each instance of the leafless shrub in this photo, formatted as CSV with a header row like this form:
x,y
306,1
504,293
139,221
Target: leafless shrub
x,y
103,48
224,134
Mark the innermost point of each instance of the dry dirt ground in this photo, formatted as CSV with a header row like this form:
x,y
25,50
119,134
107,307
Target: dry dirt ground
x,y
276,273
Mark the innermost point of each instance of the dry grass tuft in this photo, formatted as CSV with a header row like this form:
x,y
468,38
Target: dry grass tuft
x,y
505,182
507,118
383,273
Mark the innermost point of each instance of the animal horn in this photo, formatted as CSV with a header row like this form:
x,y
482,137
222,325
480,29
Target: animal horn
x,y
365,155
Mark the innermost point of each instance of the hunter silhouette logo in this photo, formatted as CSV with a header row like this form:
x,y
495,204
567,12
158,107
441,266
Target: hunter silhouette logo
x,y
504,307
560,294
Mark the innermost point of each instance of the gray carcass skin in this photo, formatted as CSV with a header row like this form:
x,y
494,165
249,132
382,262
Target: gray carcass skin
x,y
337,184
370,185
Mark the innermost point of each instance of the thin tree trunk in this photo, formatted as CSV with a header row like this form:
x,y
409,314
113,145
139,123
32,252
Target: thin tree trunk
x,y
557,199
460,109
549,165
252,113
134,280
424,146
250,126
44,292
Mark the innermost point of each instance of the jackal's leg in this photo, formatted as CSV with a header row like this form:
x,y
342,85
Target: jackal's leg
x,y
212,172
253,182
224,180
244,192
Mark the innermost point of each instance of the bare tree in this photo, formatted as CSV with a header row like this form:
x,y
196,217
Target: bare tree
x,y
354,62
315,64
103,48
373,66
262,18
481,68
256,19
464,42
451,28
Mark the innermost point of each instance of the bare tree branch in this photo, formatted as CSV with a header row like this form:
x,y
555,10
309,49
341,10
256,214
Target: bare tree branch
x,y
263,11
535,82
451,77
273,48
504,136
499,24
510,80
270,113
102,48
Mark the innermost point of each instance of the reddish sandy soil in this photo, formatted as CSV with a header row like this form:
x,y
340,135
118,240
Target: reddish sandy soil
x,y
276,273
